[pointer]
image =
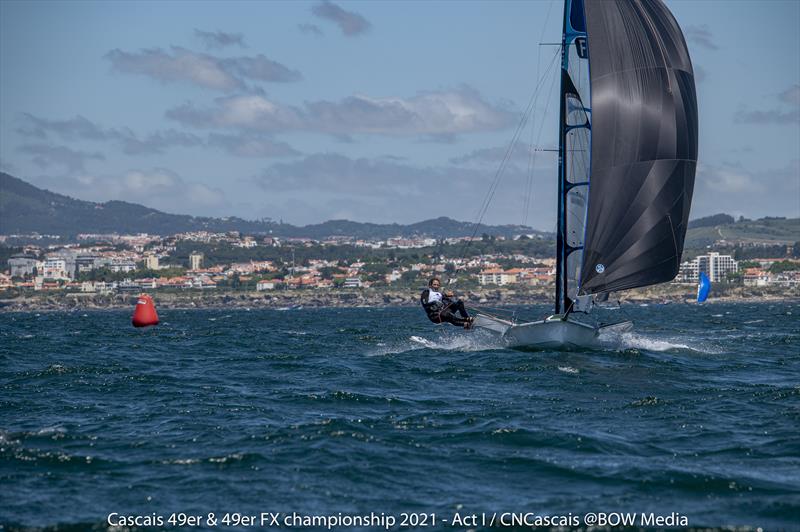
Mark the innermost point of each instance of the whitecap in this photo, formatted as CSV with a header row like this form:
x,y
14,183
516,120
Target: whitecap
x,y
473,341
630,340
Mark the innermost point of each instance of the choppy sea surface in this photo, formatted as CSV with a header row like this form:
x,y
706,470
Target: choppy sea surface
x,y
328,411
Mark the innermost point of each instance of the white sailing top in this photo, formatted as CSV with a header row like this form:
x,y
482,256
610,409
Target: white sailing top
x,y
434,296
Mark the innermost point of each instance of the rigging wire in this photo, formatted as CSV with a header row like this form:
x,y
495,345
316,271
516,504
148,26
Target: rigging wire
x,y
534,151
532,154
507,156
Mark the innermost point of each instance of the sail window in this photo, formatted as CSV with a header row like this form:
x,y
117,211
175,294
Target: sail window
x,y
574,262
577,155
576,215
576,113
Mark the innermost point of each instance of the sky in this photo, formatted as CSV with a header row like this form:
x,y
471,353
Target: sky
x,y
372,111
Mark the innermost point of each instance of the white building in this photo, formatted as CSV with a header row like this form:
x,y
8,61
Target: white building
x,y
22,266
714,265
195,261
266,284
55,268
151,262
498,276
122,265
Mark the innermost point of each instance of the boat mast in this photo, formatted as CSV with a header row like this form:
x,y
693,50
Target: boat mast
x,y
561,277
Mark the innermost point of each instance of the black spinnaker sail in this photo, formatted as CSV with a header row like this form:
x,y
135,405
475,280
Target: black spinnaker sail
x,y
643,145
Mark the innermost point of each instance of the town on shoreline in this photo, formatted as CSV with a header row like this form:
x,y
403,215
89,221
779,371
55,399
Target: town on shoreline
x,y
207,270
371,298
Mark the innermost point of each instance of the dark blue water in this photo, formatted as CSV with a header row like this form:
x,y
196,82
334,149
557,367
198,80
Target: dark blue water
x,y
321,411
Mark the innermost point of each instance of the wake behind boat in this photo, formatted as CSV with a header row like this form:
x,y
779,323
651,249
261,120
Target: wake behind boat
x,y
627,157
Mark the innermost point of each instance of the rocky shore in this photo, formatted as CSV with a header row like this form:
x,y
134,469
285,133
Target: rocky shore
x,y
497,297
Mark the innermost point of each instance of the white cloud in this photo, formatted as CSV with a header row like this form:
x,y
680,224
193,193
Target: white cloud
x,y
203,70
429,113
739,191
158,188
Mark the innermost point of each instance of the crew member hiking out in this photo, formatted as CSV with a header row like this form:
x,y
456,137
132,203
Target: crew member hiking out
x,y
442,307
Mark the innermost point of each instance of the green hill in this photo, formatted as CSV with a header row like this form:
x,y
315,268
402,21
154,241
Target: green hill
x,y
766,230
25,209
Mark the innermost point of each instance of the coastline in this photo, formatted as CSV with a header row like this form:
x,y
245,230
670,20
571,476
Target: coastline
x,y
372,297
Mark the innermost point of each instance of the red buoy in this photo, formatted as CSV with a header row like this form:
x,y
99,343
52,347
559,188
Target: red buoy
x,y
145,312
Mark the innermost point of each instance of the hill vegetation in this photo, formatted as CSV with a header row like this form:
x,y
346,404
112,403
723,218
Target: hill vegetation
x,y
28,209
711,221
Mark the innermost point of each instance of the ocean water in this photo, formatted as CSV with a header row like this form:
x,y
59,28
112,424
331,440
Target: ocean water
x,y
351,411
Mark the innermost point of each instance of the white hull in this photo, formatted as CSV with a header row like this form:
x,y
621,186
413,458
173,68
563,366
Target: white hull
x,y
552,333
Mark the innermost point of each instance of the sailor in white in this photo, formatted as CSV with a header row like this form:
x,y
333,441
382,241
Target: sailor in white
x,y
441,307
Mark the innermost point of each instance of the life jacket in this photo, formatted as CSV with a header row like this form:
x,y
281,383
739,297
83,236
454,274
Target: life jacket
x,y
432,309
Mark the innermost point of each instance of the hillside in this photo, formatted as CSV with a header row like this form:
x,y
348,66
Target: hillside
x,y
25,208
773,230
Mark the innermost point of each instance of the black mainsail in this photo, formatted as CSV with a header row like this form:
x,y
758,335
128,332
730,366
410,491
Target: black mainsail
x,y
627,159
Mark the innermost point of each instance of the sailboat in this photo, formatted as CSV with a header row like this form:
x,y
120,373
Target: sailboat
x,y
627,160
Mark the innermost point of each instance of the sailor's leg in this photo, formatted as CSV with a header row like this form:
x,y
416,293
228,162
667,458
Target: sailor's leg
x,y
449,317
458,305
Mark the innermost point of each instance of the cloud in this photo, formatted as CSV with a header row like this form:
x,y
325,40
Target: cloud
x,y
260,68
791,95
521,154
735,189
182,65
8,167
312,29
701,35
46,156
730,179
333,171
773,116
428,113
349,22
251,146
202,70
81,128
75,128
247,112
219,39
789,114
700,73
157,142
247,144
158,188
385,189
